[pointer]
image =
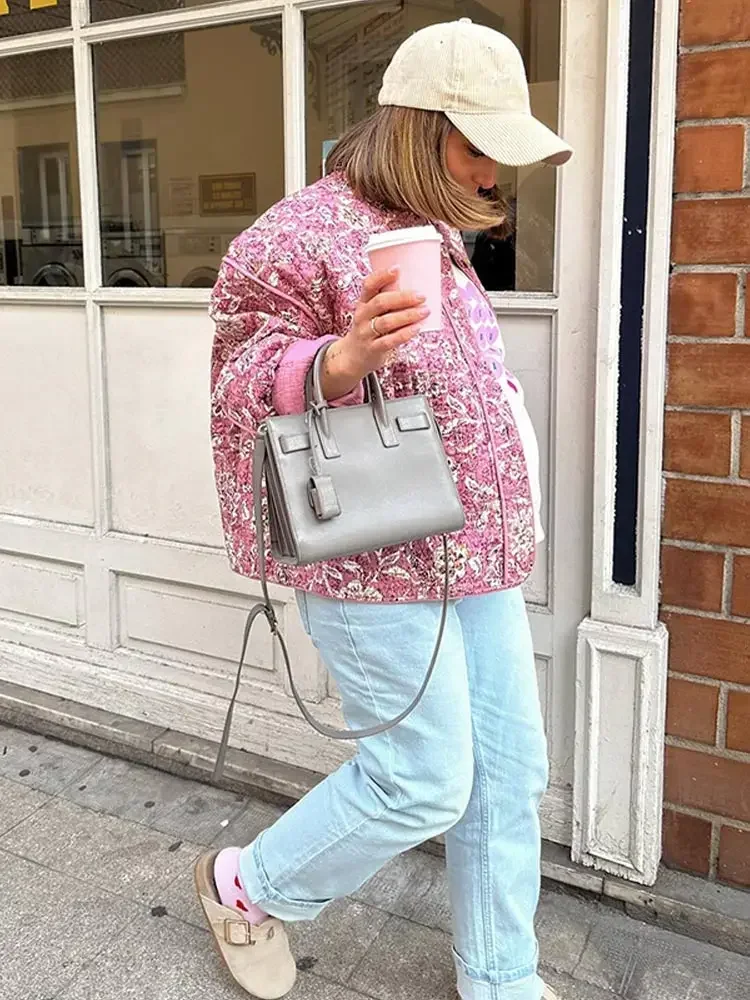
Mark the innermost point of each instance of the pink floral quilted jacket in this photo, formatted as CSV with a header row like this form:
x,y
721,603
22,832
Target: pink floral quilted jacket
x,y
297,274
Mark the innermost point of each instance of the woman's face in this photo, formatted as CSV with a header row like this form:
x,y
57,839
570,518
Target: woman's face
x,y
467,166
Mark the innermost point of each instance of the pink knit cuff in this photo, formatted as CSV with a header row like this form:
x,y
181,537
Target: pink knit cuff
x,y
289,384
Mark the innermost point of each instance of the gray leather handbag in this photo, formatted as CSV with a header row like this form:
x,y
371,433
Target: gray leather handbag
x,y
341,481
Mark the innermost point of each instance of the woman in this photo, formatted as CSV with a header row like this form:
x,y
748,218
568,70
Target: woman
x,y
470,761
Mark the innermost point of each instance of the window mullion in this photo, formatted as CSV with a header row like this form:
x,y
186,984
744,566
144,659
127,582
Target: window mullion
x,y
293,49
87,161
79,14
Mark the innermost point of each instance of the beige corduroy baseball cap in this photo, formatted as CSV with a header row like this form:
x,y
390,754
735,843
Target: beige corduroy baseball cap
x,y
476,77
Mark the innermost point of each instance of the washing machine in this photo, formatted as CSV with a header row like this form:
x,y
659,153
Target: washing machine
x,y
132,259
119,273
200,277
49,259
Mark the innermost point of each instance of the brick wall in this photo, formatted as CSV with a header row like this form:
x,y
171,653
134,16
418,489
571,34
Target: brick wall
x,y
706,544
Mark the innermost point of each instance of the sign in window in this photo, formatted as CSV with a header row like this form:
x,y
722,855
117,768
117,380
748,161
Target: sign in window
x,y
227,194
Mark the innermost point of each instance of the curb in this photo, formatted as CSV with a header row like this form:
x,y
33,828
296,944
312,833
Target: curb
x,y
686,904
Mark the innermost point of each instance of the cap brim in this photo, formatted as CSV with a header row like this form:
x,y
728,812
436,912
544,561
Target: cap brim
x,y
516,140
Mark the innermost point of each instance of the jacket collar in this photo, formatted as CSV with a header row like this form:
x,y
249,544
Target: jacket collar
x,y
384,219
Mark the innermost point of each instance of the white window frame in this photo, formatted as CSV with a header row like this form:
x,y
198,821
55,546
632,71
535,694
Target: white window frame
x,y
83,34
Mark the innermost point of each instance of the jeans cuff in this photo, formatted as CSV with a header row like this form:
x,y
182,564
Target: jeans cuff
x,y
518,984
258,887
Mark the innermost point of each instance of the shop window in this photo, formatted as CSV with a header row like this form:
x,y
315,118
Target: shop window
x,y
347,51
40,220
190,148
19,17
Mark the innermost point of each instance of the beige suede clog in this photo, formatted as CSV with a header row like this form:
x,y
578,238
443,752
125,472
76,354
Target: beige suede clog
x,y
258,957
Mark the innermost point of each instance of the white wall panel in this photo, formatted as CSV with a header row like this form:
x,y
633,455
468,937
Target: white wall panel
x,y
528,343
45,434
157,401
621,719
41,589
188,623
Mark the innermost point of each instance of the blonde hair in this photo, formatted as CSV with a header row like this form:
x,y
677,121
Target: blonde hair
x,y
397,158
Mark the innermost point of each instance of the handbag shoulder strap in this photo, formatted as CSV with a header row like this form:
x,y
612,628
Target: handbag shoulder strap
x,y
266,610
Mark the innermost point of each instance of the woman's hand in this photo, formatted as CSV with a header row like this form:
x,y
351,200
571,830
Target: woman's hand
x,y
383,320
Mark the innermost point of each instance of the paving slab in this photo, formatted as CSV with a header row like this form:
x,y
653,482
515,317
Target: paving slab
x,y
180,900
640,962
18,802
159,800
311,987
396,879
121,857
54,925
425,899
674,967
334,944
568,988
164,959
245,827
41,763
563,926
407,962
160,959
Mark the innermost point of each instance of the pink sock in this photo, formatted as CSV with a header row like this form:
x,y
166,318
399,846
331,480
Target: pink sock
x,y
230,889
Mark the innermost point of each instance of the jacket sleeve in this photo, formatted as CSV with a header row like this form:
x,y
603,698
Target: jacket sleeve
x,y
291,375
254,327
264,345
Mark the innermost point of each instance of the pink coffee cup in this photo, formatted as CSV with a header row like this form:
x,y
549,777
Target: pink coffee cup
x,y
416,253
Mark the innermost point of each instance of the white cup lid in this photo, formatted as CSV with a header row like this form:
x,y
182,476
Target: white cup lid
x,y
395,237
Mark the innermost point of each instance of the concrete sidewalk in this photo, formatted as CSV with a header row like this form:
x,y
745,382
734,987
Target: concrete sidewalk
x,y
97,903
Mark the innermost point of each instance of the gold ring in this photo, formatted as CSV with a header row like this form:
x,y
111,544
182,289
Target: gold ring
x,y
373,327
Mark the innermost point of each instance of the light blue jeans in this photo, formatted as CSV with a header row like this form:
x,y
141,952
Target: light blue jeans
x,y
470,762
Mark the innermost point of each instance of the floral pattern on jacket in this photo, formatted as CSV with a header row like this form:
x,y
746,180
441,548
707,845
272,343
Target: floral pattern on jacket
x,y
298,272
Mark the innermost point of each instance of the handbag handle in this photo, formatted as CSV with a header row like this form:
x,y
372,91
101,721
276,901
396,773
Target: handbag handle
x,y
266,610
314,385
318,405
